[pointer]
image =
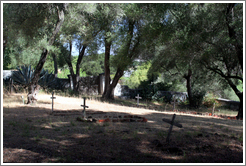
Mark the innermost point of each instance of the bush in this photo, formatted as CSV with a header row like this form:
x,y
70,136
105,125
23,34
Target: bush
x,y
198,96
209,100
150,91
162,96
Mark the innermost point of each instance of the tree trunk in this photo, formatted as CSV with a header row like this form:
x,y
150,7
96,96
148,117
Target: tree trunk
x,y
106,68
33,86
73,76
239,95
81,55
55,64
232,33
109,88
239,50
32,94
188,86
240,111
109,94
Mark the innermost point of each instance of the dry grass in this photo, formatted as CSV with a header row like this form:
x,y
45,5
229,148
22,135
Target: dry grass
x,y
32,134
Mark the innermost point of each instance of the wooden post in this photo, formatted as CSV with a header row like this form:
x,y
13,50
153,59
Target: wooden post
x,y
11,85
213,109
23,99
53,100
174,102
138,99
84,113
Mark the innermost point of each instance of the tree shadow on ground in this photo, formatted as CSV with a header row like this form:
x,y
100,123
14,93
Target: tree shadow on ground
x,y
32,134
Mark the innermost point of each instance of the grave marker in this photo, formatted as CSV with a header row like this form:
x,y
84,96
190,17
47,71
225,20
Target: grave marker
x,y
53,100
84,113
11,86
138,99
170,128
213,109
23,100
174,102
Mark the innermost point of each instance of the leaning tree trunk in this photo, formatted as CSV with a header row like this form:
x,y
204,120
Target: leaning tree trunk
x,y
55,64
33,86
81,55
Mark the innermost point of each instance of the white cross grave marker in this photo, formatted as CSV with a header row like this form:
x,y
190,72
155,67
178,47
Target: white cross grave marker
x,y
84,113
138,98
23,100
53,100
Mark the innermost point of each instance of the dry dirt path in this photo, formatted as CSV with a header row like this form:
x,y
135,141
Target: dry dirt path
x,y
154,117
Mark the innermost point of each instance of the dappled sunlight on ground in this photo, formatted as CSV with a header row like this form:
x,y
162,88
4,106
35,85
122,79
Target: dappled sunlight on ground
x,y
50,137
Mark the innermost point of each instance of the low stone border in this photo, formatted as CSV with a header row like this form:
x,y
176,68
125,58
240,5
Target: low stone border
x,y
126,118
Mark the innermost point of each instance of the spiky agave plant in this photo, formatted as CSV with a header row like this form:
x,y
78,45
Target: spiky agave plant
x,y
47,80
24,74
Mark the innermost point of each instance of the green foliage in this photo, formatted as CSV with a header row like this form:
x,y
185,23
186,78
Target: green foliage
x,y
171,38
28,27
63,72
23,53
198,95
24,75
138,75
162,98
93,65
229,94
47,79
210,99
6,59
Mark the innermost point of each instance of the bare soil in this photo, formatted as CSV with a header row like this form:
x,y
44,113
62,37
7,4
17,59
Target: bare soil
x,y
31,134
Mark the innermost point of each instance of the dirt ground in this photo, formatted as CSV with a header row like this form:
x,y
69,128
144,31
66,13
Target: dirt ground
x,y
31,134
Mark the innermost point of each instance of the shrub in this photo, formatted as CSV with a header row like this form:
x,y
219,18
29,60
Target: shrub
x,y
162,96
209,100
24,75
198,96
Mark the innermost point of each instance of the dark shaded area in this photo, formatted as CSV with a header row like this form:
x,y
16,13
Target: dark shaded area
x,y
113,142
